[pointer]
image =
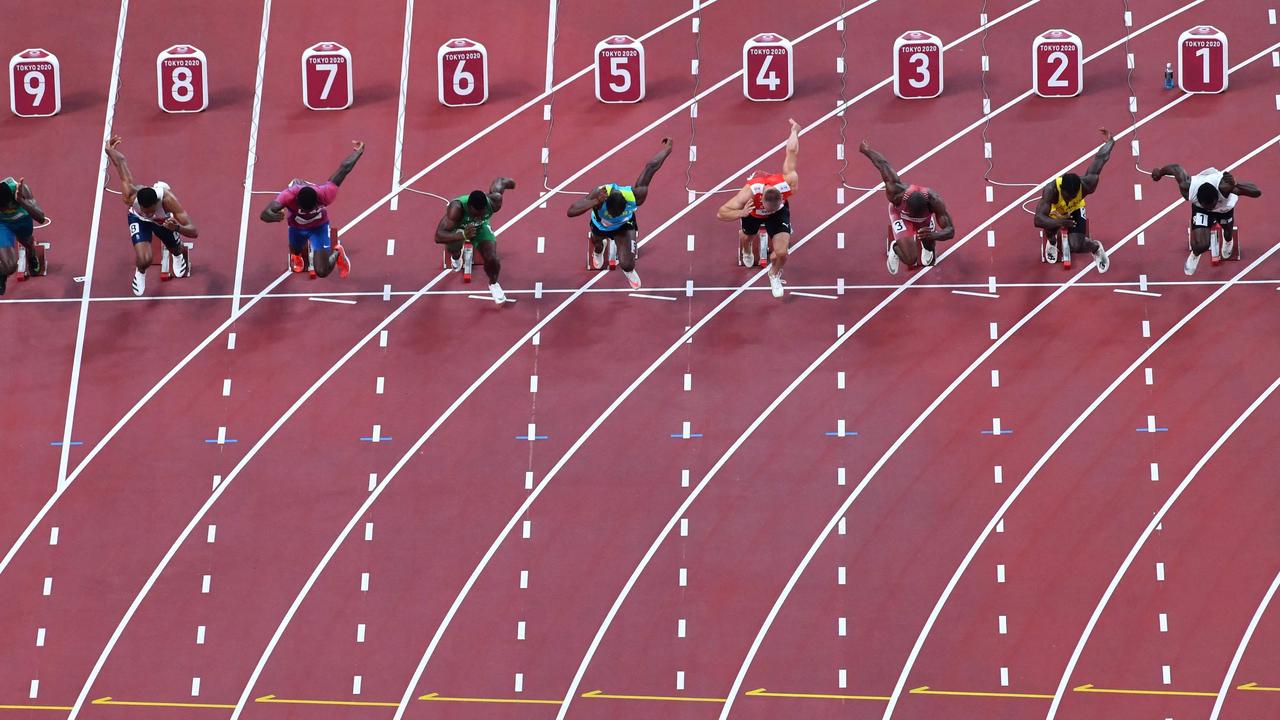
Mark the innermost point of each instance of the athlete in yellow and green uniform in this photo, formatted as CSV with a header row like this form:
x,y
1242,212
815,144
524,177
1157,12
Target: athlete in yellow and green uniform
x,y
1062,206
467,220
19,212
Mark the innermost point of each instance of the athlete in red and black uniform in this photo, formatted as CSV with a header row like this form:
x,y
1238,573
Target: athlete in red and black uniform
x,y
764,201
917,217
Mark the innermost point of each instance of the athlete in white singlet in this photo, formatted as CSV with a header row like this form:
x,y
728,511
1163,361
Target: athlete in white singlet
x,y
1213,194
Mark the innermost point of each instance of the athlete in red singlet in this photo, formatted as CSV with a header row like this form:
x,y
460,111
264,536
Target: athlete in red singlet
x,y
764,201
917,217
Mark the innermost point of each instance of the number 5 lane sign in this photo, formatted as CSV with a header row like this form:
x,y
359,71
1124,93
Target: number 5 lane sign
x,y
766,68
619,70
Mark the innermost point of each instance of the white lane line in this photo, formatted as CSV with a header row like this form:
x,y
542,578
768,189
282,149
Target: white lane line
x,y
813,295
651,297
251,159
113,90
789,587
1004,508
989,296
1142,540
398,157
1229,679
332,300
1137,292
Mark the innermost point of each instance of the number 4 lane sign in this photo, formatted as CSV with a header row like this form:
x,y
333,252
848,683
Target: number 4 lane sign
x,y
767,68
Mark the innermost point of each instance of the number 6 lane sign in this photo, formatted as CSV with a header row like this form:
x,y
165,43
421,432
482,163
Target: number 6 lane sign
x,y
462,67
326,77
619,70
917,66
35,85
182,80
766,68
1057,64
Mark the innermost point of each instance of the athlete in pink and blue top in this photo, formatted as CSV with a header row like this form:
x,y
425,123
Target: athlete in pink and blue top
x,y
309,220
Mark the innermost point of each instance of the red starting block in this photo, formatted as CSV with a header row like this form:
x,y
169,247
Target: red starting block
x,y
326,77
468,260
1064,247
41,255
759,251
35,84
917,65
182,80
1215,244
610,253
166,259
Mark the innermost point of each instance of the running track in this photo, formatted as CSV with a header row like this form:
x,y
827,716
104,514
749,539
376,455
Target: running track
x,y
621,574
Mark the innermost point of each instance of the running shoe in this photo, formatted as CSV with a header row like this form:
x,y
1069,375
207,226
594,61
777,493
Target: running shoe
x,y
597,259
747,258
893,262
499,297
344,262
1193,260
633,278
180,267
139,283
926,256
1050,252
775,285
296,263
1100,257
1228,248
34,266
455,263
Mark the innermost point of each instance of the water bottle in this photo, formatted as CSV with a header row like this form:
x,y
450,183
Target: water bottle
x,y
1168,76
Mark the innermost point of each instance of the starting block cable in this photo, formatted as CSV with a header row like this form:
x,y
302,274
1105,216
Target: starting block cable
x,y
844,121
986,109
1128,78
693,107
549,112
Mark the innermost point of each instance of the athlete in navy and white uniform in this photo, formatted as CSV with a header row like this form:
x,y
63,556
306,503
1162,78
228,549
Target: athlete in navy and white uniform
x,y
1213,194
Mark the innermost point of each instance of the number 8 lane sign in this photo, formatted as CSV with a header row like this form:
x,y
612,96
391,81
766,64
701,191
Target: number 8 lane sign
x,y
182,80
766,68
35,85
326,77
917,66
462,67
619,70
1057,67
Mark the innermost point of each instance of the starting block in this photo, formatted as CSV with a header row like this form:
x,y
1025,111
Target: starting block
x,y
760,251
468,260
41,249
166,261
311,265
1215,244
1064,248
610,253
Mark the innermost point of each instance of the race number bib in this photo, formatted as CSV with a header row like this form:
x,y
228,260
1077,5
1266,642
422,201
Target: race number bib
x,y
1200,220
134,228
899,226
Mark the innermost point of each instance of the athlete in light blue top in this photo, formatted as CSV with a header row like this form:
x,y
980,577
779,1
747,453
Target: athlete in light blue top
x,y
613,216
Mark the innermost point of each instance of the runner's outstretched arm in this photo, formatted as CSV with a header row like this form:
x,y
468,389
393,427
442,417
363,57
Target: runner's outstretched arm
x,y
651,168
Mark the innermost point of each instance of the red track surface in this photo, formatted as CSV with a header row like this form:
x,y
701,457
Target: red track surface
x,y
609,475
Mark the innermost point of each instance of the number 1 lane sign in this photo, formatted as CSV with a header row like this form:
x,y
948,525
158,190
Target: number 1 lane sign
x,y
1202,60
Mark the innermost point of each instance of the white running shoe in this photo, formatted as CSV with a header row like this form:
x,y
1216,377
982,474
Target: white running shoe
x,y
455,263
746,258
499,297
139,282
1100,257
893,262
926,256
180,268
775,285
1051,252
1193,260
632,277
597,259
1228,248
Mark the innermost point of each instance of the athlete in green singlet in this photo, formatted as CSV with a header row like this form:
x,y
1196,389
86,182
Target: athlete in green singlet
x,y
18,210
467,220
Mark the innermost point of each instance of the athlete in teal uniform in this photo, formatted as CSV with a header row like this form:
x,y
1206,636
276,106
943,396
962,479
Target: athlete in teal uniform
x,y
613,216
19,212
467,220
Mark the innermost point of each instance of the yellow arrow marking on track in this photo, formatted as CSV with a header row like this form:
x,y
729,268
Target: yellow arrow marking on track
x,y
36,707
925,690
1256,686
137,703
599,694
761,692
437,697
1089,688
344,703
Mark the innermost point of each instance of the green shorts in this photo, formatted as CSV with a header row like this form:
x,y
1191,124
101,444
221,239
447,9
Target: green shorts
x,y
484,234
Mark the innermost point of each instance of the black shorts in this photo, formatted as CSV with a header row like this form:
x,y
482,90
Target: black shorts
x,y
1204,218
620,231
779,222
1082,224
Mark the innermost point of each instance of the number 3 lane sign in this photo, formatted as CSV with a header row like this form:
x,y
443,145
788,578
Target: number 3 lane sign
x,y
766,68
917,66
462,67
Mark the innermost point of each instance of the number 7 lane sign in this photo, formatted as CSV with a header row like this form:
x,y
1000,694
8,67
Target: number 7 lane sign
x,y
462,72
326,77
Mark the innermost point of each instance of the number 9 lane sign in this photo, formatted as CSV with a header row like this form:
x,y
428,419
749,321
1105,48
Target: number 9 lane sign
x,y
326,77
182,80
767,68
35,85
619,70
1057,64
462,67
917,66
1202,60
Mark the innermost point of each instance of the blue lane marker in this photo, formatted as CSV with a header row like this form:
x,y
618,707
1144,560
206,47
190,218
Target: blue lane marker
x,y
1002,432
1159,429
58,443
228,441
381,439
680,436
527,438
847,434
